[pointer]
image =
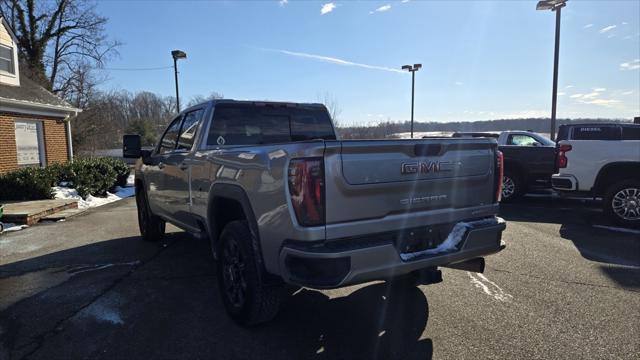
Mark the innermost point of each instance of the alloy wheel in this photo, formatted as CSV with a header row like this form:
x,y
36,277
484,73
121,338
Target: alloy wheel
x,y
508,187
234,277
626,204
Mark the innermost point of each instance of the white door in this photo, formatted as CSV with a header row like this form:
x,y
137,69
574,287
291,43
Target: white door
x,y
29,143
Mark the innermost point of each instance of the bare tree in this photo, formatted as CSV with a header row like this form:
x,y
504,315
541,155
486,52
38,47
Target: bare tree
x,y
200,99
65,38
332,106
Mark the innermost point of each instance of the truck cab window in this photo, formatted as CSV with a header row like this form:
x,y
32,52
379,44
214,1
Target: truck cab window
x,y
247,125
522,140
168,141
189,129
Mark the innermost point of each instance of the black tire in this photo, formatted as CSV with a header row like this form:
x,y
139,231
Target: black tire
x,y
247,299
151,226
621,196
513,186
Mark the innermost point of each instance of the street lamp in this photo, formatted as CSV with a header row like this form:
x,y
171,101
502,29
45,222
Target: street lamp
x,y
554,5
177,54
412,70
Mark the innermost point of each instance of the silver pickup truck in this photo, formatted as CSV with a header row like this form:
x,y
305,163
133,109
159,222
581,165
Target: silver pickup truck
x,y
282,200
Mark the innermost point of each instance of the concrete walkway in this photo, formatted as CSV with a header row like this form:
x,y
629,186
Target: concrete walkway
x,y
30,212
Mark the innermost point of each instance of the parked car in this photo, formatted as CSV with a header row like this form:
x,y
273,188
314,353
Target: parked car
x,y
529,160
282,200
602,160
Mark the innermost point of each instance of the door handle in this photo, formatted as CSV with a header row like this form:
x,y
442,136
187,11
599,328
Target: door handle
x,y
160,165
184,166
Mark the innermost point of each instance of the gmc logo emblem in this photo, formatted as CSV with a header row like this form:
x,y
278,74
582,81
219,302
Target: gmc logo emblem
x,y
424,167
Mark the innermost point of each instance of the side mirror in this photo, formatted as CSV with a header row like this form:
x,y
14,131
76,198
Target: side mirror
x,y
131,146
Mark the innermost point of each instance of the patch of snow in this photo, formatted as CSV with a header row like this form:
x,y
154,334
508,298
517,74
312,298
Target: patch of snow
x,y
131,180
8,227
453,239
94,201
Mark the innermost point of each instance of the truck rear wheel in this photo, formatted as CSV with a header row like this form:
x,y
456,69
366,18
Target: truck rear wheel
x,y
512,186
151,226
247,299
622,202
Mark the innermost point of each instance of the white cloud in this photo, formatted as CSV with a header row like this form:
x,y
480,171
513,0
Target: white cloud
x,y
327,8
458,83
575,96
590,95
383,8
608,28
627,93
587,26
569,86
631,65
283,2
624,23
562,93
599,89
601,102
336,61
404,1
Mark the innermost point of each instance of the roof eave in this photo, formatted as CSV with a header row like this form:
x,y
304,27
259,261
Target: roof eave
x,y
26,107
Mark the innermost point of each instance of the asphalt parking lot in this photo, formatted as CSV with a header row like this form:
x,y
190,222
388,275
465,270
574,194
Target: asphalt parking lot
x,y
90,288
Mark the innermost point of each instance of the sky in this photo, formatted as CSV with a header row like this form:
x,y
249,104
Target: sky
x,y
481,59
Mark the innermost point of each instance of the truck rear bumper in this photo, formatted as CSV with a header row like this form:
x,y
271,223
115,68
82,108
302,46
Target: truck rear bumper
x,y
563,182
325,266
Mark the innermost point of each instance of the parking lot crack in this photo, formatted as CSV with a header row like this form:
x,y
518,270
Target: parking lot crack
x,y
570,282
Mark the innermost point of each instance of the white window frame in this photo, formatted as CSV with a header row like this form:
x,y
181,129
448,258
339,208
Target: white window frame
x,y
41,145
11,59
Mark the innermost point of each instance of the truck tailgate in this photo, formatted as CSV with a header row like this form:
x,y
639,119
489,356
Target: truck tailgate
x,y
373,179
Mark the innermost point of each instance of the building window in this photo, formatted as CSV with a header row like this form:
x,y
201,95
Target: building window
x,y
6,59
29,143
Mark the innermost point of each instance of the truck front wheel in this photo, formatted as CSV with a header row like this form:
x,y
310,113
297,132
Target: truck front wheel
x,y
151,227
622,202
247,299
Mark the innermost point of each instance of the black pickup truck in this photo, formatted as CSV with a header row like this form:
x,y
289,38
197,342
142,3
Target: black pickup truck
x,y
529,160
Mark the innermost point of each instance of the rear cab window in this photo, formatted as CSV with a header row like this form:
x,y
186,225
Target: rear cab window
x,y
254,124
596,132
631,132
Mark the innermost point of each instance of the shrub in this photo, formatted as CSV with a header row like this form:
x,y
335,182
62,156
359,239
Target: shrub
x,y
60,172
122,170
26,184
93,176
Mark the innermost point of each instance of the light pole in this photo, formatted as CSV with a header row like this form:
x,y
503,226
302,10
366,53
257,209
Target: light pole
x,y
412,70
177,54
554,5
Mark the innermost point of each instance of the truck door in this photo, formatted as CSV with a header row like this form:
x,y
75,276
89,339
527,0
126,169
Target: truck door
x,y
177,171
155,169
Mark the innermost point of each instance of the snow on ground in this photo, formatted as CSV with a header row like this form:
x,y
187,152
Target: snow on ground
x,y
13,227
91,201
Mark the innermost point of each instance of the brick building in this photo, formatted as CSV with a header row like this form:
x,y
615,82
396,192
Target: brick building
x,y
34,123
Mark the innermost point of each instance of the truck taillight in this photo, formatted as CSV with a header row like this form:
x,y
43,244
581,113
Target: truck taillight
x,y
499,175
306,188
562,155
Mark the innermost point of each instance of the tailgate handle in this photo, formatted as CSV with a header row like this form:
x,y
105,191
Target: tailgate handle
x,y
427,149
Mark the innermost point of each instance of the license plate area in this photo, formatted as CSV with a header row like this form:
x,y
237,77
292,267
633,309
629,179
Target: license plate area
x,y
422,238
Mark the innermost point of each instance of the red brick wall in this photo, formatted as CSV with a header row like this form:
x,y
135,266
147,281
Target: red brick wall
x,y
8,155
55,140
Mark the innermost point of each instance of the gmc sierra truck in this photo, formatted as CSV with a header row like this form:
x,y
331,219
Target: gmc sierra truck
x,y
282,200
